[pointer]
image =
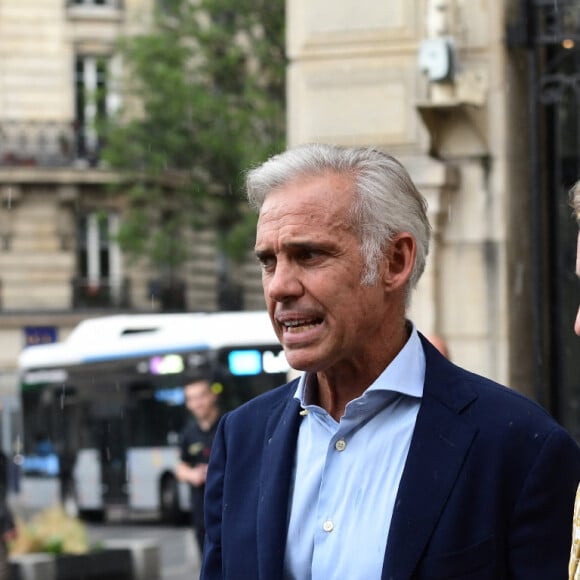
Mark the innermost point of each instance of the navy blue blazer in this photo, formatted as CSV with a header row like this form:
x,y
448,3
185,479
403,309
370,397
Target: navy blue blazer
x,y
487,491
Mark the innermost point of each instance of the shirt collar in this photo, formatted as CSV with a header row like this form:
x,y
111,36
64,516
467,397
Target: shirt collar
x,y
405,374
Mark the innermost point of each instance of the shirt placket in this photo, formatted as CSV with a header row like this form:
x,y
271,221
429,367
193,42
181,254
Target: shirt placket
x,y
327,522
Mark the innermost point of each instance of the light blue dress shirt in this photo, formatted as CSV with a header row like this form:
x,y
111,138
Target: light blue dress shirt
x,y
347,474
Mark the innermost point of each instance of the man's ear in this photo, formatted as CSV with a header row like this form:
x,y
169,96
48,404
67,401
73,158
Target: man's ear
x,y
400,261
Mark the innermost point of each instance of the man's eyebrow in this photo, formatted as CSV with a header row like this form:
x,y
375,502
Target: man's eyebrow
x,y
262,253
293,246
312,246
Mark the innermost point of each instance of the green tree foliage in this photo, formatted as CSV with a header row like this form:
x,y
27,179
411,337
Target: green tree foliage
x,y
204,97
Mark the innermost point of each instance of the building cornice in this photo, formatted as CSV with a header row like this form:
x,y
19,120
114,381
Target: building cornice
x,y
56,176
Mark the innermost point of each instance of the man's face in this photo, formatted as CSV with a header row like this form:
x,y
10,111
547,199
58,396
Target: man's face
x,y
199,399
577,323
311,273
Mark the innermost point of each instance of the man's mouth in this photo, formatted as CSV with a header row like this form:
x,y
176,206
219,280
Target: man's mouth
x,y
300,325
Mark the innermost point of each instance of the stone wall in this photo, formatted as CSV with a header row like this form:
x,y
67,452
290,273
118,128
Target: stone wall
x,y
354,79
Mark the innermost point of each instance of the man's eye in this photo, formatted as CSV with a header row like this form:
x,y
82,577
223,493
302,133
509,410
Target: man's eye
x,y
267,262
306,255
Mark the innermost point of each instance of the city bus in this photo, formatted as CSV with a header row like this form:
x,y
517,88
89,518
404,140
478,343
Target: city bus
x,y
102,411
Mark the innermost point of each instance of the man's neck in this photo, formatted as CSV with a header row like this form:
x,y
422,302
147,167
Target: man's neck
x,y
336,389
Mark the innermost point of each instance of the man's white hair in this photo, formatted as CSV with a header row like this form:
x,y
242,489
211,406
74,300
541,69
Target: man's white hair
x,y
386,200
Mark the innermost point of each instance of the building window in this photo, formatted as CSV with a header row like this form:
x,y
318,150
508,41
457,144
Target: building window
x,y
90,103
95,99
99,281
99,254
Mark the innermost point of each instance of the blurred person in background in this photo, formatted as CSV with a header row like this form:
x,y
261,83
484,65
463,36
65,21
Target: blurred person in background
x,y
574,568
195,445
440,344
575,195
383,459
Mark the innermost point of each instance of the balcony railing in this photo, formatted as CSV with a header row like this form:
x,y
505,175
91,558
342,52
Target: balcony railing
x,y
101,293
46,144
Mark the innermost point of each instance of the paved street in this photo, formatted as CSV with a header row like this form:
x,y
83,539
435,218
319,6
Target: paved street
x,y
179,553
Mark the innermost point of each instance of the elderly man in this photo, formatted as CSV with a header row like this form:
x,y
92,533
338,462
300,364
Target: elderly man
x,y
383,459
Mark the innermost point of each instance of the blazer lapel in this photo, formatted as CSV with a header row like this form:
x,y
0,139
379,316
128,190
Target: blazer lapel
x,y
275,482
441,440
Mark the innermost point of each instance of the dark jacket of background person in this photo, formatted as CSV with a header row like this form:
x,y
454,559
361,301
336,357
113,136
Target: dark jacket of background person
x,y
195,447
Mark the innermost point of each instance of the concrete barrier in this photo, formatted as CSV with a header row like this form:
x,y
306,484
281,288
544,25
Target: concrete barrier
x,y
145,554
145,558
32,567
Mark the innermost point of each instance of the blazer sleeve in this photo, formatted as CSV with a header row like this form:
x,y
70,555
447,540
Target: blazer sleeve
x,y
212,553
540,530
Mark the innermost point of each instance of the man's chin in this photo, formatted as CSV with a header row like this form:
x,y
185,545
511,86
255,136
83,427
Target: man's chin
x,y
302,361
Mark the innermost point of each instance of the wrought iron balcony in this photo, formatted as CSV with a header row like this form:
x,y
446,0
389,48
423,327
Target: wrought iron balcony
x,y
101,293
46,144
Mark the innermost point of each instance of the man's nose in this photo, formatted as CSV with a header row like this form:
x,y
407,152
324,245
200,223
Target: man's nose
x,y
284,283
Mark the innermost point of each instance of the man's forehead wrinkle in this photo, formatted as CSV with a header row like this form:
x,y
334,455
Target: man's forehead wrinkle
x,y
288,209
307,211
305,230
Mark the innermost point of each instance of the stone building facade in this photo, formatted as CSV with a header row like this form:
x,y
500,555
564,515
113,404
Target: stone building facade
x,y
452,88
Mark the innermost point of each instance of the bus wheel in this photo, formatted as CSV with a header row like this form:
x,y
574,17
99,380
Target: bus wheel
x,y
169,500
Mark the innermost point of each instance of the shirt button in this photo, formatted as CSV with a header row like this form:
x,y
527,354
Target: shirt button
x,y
328,526
340,445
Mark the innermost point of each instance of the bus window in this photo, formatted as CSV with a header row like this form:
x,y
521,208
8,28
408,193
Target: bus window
x,y
156,415
247,372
